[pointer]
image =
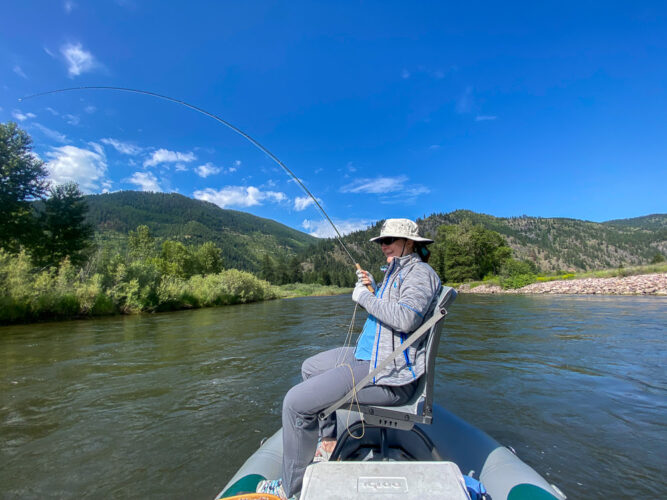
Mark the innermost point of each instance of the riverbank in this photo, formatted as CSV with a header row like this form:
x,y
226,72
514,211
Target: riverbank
x,y
644,284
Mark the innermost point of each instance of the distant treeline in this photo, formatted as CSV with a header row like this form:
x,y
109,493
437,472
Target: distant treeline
x,y
53,264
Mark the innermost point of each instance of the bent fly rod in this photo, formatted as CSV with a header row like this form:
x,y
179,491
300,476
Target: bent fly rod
x,y
226,124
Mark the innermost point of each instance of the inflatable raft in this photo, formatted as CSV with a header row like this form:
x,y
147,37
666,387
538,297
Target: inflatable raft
x,y
415,451
403,462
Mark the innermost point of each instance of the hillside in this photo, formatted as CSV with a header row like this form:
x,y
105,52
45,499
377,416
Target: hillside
x,y
554,244
243,238
570,244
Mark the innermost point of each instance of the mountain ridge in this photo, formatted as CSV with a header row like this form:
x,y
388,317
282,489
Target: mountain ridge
x,y
553,243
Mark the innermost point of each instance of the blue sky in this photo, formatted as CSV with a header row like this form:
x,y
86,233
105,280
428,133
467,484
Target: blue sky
x,y
383,109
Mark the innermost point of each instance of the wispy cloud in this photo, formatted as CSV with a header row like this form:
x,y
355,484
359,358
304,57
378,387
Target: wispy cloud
x,y
90,109
52,111
239,196
78,59
166,156
322,228
122,147
391,190
51,134
86,167
405,74
465,102
146,181
17,69
69,6
207,169
434,147
378,185
18,115
484,118
72,119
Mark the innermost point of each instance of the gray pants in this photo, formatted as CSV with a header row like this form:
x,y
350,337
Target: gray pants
x,y
327,377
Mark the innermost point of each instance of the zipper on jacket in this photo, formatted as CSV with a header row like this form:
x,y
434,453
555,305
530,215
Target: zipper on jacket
x,y
377,345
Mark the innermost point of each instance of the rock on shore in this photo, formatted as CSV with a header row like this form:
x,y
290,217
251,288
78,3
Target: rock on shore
x,y
644,284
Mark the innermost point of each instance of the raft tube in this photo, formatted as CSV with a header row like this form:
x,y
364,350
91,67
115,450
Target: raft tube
x,y
450,438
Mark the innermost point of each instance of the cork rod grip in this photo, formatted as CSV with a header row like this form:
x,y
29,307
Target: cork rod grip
x,y
370,288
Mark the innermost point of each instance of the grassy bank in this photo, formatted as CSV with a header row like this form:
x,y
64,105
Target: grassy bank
x,y
292,290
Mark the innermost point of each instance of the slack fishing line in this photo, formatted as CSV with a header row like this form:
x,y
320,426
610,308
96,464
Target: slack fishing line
x,y
226,124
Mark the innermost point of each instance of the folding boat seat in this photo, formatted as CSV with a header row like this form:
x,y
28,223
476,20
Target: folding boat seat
x,y
419,409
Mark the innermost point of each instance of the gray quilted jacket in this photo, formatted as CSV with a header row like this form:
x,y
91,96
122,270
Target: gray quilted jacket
x,y
406,296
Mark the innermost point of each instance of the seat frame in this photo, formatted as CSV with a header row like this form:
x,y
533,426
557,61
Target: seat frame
x,y
419,409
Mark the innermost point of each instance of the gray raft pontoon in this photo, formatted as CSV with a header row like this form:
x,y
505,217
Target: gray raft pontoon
x,y
415,451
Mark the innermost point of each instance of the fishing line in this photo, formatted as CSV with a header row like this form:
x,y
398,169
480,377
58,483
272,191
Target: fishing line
x,y
226,124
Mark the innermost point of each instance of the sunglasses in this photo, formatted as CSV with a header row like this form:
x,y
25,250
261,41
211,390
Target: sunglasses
x,y
388,240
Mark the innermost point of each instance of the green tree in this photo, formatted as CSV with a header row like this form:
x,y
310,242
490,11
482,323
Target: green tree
x,y
177,260
468,252
209,259
658,258
267,271
22,180
141,243
65,231
294,270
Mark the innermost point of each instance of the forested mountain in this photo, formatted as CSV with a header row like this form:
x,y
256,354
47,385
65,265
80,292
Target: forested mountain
x,y
553,244
244,238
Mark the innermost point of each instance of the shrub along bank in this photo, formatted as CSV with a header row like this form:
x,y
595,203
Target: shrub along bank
x,y
65,292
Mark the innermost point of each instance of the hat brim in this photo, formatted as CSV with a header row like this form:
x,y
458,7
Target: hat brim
x,y
418,239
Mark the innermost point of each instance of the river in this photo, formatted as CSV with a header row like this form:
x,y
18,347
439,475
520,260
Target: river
x,y
170,405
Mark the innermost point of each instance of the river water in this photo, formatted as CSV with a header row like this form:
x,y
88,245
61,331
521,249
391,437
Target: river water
x,y
170,405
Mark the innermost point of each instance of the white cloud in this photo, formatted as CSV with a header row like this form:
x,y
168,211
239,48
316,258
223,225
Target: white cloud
x,y
322,228
483,118
391,189
433,147
207,169
379,185
69,6
49,52
465,102
51,134
238,196
52,111
236,166
405,74
72,119
166,156
78,59
122,147
180,168
90,109
17,69
22,116
146,181
85,167
301,203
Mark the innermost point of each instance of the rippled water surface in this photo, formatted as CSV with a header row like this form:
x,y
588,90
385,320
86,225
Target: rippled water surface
x,y
170,405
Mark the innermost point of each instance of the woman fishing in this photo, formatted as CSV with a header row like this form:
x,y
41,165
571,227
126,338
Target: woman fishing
x,y
395,309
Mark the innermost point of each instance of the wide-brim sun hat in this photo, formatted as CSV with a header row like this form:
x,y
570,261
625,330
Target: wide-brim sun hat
x,y
401,228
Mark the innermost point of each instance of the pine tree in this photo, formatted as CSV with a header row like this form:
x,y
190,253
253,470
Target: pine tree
x,y
65,230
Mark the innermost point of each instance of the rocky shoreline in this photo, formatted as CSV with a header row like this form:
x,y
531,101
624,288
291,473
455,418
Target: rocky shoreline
x,y
643,284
